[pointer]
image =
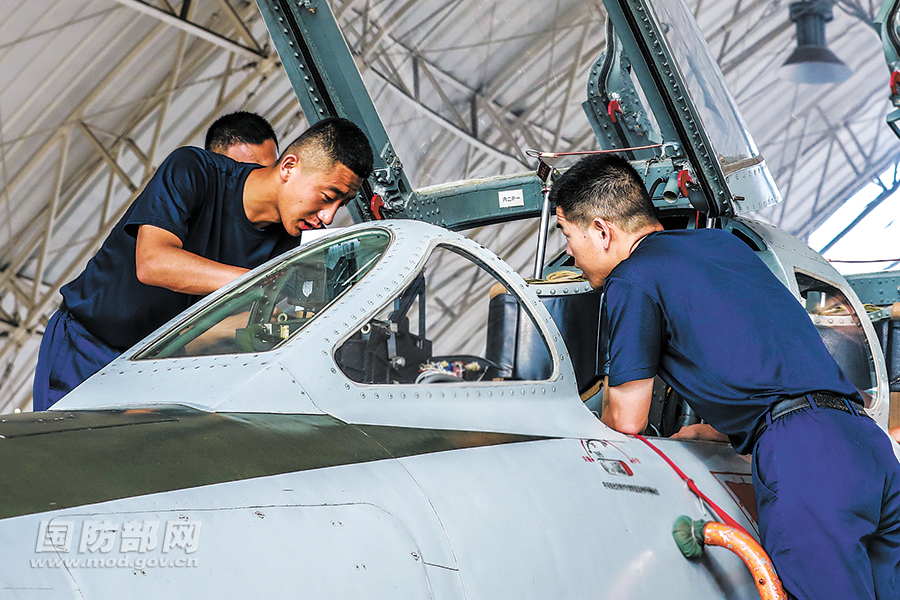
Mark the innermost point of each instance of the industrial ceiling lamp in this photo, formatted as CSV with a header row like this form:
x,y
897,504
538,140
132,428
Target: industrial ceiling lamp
x,y
812,61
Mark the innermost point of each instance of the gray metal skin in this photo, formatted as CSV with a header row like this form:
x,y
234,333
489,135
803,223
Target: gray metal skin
x,y
535,519
881,288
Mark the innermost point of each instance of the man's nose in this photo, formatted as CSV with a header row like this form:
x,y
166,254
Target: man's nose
x,y
326,215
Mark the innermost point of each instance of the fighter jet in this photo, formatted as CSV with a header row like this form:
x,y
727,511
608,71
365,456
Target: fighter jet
x,y
323,428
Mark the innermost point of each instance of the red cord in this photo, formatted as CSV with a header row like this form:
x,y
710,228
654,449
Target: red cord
x,y
693,487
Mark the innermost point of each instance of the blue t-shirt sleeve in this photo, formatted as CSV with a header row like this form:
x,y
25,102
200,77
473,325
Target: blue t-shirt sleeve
x,y
174,192
635,327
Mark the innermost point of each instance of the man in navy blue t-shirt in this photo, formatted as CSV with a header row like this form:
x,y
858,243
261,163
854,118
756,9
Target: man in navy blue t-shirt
x,y
699,309
202,221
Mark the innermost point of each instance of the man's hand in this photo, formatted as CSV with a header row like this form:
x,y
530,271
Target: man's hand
x,y
626,406
895,433
161,261
700,431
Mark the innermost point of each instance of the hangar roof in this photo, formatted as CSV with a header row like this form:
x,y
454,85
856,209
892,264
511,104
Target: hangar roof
x,y
95,93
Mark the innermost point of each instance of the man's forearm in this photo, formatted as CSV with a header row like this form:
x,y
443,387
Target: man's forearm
x,y
160,261
182,271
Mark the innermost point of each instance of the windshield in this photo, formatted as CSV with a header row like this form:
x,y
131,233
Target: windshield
x,y
723,122
269,308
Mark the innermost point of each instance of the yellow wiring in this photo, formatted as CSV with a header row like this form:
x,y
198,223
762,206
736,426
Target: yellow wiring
x,y
833,311
559,277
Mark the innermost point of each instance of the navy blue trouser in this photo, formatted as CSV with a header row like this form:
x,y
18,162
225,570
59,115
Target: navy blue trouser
x,y
69,354
828,494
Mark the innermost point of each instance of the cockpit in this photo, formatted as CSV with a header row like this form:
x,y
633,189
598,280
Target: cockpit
x,y
414,336
266,310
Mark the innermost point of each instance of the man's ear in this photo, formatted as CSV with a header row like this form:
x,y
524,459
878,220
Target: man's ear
x,y
603,230
287,165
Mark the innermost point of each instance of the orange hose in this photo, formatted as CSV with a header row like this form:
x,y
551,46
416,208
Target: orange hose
x,y
748,549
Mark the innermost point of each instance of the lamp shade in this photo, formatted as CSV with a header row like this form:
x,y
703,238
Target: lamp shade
x,y
812,61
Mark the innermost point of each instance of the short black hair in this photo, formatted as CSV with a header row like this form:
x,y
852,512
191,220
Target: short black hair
x,y
238,128
336,140
605,186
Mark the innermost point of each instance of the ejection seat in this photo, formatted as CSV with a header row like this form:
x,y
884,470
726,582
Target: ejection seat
x,y
515,345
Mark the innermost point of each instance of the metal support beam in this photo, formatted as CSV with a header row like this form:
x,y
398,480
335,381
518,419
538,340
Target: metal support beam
x,y
193,29
164,106
51,213
240,27
110,160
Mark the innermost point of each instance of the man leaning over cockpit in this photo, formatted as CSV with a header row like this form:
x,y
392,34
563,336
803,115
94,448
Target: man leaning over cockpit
x,y
202,221
699,309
